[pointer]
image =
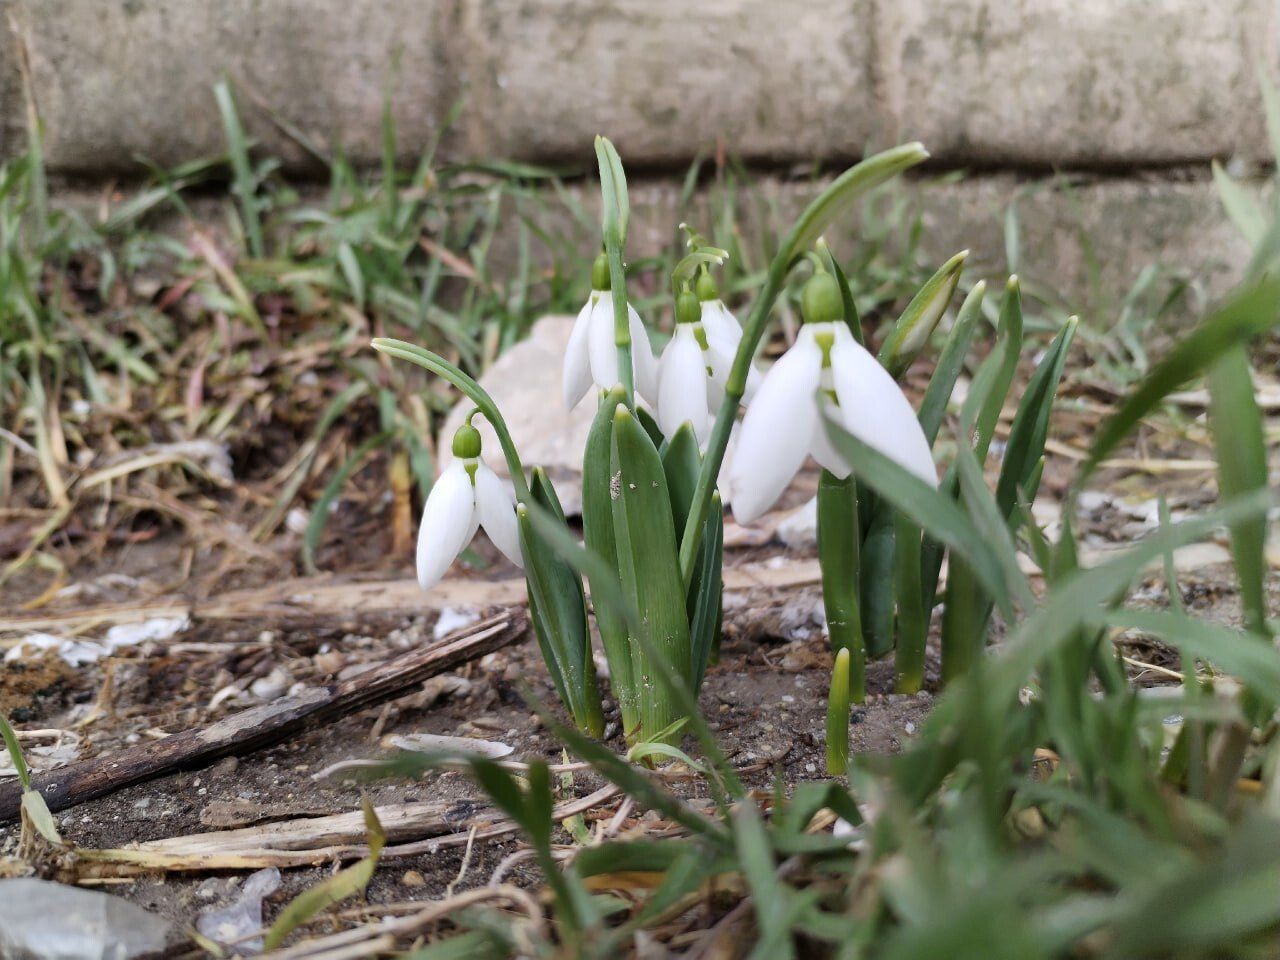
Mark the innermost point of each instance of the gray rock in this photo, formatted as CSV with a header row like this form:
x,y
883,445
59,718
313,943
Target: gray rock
x,y
799,528
40,920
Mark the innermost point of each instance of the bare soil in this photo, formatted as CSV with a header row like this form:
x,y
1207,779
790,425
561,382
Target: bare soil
x,y
765,698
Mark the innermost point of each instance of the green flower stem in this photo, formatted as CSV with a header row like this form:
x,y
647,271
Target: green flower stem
x,y
616,211
474,392
838,716
913,619
838,556
621,323
826,208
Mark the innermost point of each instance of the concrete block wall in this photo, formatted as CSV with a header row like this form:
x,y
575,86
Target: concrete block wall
x,y
1139,91
1007,82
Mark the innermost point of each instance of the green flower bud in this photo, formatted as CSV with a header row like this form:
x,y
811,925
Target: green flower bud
x,y
466,442
687,308
600,273
820,300
706,286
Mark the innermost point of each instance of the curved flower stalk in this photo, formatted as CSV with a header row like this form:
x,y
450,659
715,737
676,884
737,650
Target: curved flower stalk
x,y
825,373
592,353
468,495
696,362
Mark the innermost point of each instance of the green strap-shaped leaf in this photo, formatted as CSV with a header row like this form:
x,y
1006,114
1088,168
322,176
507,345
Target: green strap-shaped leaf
x,y
597,531
559,613
1030,427
943,382
979,416
913,621
875,572
649,567
851,318
706,596
994,378
910,335
839,553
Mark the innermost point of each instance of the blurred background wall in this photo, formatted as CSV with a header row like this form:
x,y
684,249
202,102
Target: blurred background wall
x,y
1131,97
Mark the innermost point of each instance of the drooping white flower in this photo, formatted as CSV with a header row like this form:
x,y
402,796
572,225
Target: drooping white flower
x,y
592,353
696,362
468,495
825,372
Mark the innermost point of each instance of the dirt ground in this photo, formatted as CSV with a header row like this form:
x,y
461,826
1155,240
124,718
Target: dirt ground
x,y
765,699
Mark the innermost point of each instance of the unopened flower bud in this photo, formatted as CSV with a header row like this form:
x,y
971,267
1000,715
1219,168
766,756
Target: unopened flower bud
x,y
688,310
820,300
466,442
705,287
600,273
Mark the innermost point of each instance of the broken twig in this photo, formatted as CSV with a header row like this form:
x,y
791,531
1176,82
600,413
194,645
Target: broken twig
x,y
264,726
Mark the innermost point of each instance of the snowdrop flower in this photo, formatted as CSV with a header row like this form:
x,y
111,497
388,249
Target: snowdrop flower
x,y
592,355
468,495
697,360
826,372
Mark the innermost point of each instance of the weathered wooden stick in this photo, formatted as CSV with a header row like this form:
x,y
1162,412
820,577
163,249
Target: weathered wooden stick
x,y
263,726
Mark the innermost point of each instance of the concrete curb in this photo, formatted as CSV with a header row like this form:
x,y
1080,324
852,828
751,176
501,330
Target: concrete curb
x,y
1026,83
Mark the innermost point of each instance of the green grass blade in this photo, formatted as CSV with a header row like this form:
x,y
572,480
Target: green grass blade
x,y
320,509
1240,654
1241,449
1247,314
244,182
1244,210
334,889
16,755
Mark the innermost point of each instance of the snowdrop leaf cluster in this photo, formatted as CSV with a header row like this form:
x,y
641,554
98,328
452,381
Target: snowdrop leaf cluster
x,y
652,520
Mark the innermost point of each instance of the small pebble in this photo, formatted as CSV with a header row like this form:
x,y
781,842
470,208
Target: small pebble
x,y
412,878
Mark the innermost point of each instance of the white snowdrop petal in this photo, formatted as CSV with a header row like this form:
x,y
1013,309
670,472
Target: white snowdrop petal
x,y
777,432
720,324
601,349
720,360
724,334
876,411
822,449
448,523
682,386
496,510
643,362
577,364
